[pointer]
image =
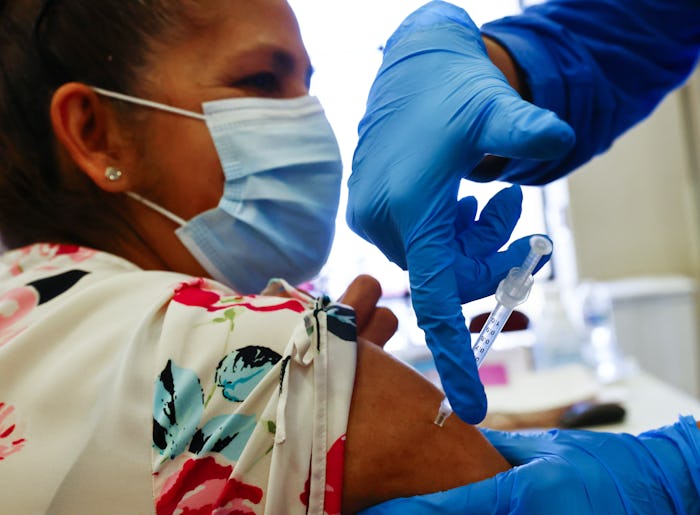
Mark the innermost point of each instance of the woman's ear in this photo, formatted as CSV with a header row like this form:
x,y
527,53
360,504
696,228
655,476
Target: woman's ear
x,y
90,134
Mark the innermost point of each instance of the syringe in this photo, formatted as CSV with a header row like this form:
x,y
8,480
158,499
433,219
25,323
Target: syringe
x,y
511,292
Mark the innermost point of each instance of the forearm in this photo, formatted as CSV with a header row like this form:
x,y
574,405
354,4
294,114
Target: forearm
x,y
601,65
502,59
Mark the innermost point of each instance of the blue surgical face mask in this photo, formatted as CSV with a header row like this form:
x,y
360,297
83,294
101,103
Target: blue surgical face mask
x,y
283,172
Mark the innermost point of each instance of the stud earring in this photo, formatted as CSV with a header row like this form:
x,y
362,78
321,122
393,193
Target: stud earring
x,y
113,174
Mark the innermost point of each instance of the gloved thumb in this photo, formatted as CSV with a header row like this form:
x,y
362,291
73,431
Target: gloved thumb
x,y
518,129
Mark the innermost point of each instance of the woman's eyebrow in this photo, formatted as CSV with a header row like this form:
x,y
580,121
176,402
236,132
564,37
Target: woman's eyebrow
x,y
285,63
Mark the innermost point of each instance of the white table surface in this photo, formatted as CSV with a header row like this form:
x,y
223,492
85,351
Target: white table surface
x,y
650,403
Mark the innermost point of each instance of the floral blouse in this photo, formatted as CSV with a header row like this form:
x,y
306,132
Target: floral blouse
x,y
131,391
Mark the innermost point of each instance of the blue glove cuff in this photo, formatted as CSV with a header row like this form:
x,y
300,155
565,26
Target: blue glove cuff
x,y
676,450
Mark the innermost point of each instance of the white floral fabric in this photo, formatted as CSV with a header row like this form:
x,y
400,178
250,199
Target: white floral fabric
x,y
131,391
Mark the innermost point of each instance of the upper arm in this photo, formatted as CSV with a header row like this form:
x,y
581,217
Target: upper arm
x,y
394,449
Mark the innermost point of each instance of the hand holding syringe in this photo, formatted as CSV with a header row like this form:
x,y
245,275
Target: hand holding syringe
x,y
511,292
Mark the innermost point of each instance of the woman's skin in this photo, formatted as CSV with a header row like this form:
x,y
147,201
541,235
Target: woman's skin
x,y
503,61
393,447
254,48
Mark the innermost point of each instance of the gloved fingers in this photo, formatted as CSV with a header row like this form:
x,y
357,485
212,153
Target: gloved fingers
x,y
533,132
517,448
495,225
550,485
479,277
458,375
546,486
435,300
466,214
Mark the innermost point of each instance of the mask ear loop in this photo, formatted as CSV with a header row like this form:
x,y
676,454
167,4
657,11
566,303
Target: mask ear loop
x,y
161,107
148,103
155,207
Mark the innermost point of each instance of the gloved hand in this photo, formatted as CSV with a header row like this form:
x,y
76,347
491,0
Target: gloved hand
x,y
578,472
437,106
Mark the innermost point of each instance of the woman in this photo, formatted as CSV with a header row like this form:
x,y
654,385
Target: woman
x,y
131,381
132,377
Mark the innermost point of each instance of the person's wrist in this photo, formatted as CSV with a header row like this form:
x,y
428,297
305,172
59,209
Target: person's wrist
x,y
507,65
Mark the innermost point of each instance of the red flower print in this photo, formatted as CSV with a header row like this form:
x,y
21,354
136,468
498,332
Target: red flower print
x,y
66,249
203,486
335,460
14,306
53,250
47,252
194,293
10,441
76,253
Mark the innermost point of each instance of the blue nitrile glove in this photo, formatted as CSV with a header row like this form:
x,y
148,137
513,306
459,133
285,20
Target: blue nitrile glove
x,y
437,106
578,472
478,240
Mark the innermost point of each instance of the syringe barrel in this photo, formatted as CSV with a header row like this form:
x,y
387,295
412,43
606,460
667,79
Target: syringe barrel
x,y
492,328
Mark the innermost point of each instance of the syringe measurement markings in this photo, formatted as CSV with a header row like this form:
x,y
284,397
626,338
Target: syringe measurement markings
x,y
482,344
512,291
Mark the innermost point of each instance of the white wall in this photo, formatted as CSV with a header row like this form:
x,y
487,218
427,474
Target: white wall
x,y
633,213
633,209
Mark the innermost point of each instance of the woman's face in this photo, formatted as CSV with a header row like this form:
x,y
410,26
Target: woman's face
x,y
246,48
240,48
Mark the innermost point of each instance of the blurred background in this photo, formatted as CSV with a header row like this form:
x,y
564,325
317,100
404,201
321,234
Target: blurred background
x,y
625,227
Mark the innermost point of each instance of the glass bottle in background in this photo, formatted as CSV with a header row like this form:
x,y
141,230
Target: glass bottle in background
x,y
601,350
558,339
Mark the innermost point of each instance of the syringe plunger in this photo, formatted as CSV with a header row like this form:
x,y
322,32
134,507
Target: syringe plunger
x,y
539,246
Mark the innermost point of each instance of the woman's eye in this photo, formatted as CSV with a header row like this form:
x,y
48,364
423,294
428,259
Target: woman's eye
x,y
265,81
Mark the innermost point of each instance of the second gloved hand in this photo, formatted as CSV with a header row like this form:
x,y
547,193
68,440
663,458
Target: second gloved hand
x,y
437,106
578,473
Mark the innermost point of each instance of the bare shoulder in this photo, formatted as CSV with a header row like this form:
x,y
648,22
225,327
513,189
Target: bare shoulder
x,y
393,447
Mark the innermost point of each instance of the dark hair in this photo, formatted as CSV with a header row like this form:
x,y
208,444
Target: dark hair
x,y
102,43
